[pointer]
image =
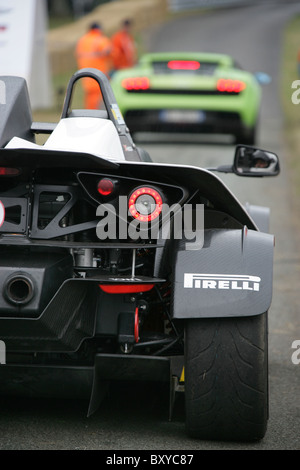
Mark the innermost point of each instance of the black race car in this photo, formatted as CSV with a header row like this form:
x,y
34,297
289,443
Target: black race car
x,y
117,268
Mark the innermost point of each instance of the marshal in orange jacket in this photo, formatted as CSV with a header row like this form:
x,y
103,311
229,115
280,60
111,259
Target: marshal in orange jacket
x,y
124,48
93,50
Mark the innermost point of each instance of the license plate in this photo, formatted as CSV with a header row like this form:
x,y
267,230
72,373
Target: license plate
x,y
182,116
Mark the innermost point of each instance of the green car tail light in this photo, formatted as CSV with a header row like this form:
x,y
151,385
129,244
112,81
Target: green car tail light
x,y
184,65
136,83
230,86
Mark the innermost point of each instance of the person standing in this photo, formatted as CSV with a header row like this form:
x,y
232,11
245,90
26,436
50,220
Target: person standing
x,y
124,53
93,50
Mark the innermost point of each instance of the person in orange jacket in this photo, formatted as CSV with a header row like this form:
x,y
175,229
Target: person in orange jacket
x,y
124,49
94,50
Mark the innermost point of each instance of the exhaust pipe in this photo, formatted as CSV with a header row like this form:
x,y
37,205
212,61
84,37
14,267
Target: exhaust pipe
x,y
19,289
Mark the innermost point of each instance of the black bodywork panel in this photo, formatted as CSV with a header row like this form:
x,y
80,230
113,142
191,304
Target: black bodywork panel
x,y
82,311
229,276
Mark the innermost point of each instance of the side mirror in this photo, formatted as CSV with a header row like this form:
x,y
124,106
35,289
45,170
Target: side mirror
x,y
251,161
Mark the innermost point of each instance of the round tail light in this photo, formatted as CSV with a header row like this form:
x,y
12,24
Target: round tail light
x,y
105,187
145,204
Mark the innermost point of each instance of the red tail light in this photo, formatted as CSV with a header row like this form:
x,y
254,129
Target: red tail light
x,y
125,288
2,213
136,324
230,86
183,65
5,171
145,204
136,83
105,187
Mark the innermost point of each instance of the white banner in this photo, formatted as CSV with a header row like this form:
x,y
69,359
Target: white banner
x,y
23,47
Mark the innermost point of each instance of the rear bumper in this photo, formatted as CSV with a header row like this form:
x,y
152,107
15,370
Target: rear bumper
x,y
90,382
66,380
46,381
206,121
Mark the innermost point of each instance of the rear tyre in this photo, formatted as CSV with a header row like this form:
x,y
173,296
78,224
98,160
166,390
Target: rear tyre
x,y
226,378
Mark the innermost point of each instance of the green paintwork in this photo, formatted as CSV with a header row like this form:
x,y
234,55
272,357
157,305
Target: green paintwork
x,y
246,103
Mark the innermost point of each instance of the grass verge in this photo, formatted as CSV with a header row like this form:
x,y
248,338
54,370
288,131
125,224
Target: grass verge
x,y
290,99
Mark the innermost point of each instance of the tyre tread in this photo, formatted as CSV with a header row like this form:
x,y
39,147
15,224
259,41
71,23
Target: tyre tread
x,y
226,378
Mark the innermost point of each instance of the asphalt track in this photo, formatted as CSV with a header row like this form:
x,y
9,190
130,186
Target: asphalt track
x,y
135,418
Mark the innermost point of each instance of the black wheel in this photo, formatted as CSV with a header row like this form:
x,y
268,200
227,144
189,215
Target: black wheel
x,y
226,378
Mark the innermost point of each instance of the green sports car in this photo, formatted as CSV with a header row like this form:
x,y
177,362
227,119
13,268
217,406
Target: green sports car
x,y
189,92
